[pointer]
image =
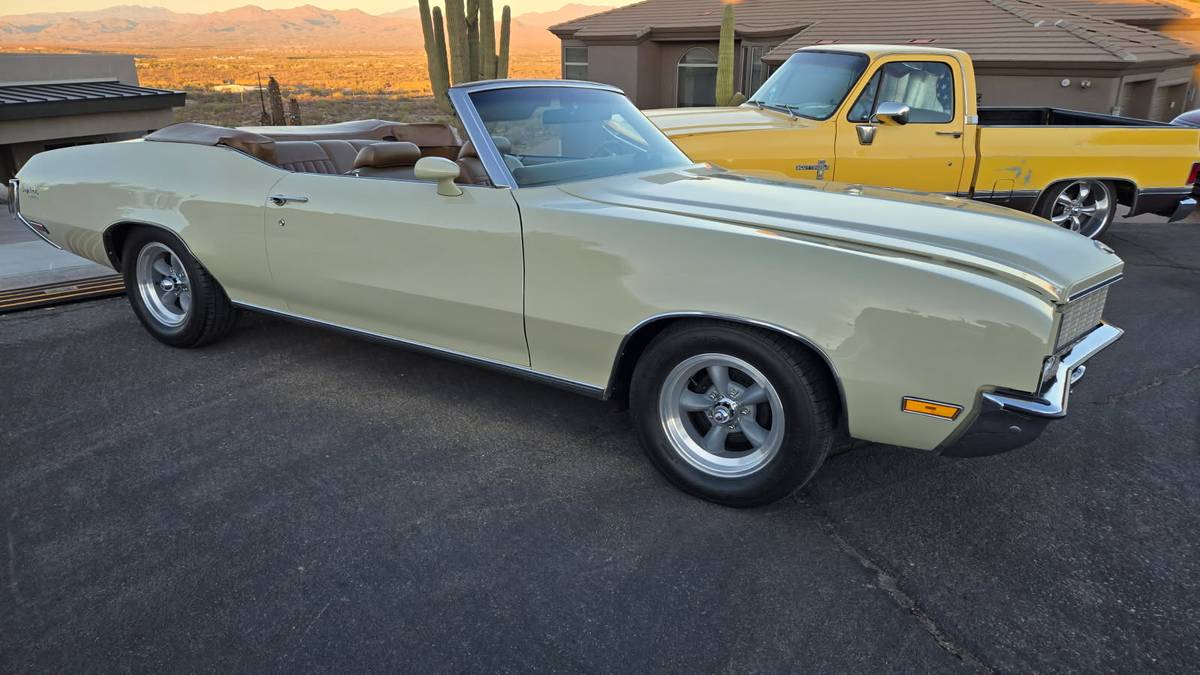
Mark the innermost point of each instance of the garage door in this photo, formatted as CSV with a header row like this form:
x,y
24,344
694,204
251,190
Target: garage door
x,y
1136,98
1168,102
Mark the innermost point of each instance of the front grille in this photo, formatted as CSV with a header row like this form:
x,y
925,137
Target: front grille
x,y
1081,316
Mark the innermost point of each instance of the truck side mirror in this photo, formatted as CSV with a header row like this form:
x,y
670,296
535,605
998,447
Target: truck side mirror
x,y
891,113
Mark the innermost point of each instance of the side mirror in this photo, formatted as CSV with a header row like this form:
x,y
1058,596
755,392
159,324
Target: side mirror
x,y
890,113
442,170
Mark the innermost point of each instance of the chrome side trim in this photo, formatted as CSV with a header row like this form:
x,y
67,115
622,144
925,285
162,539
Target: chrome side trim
x,y
612,384
1052,401
521,371
14,207
1092,289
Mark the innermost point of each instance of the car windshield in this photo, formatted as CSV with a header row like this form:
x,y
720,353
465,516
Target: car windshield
x,y
811,84
551,135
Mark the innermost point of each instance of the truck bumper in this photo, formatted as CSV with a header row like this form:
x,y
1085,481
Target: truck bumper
x,y
1175,204
1008,420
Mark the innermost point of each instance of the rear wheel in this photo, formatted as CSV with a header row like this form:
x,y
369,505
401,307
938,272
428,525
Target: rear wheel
x,y
172,295
738,416
1086,206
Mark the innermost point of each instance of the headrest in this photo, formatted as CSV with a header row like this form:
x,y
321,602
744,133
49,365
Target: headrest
x,y
502,144
255,145
387,155
468,151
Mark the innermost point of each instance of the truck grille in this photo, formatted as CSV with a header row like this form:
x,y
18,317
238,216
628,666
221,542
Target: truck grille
x,y
1081,316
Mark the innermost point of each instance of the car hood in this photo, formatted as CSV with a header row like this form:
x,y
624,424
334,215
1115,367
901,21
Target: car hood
x,y
1024,250
684,121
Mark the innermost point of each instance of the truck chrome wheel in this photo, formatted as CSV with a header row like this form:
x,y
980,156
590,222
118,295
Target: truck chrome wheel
x,y
721,415
1083,206
163,284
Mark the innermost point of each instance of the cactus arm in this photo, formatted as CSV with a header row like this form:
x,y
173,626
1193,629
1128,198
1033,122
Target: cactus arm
x,y
456,25
505,36
275,96
487,39
473,39
435,53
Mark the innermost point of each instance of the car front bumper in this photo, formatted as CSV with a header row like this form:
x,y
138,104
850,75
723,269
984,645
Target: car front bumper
x,y
1008,420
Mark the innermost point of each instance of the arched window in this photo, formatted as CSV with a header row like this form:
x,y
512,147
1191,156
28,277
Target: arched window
x,y
697,77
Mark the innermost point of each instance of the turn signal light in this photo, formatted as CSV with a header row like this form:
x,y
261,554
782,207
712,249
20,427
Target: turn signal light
x,y
919,406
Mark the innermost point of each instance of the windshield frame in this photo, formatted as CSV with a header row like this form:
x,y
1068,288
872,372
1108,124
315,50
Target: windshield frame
x,y
477,132
860,56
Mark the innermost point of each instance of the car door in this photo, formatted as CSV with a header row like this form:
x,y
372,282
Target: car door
x,y
926,153
395,258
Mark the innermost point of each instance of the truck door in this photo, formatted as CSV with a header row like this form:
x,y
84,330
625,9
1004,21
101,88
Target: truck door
x,y
923,152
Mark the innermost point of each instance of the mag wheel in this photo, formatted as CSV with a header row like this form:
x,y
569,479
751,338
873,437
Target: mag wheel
x,y
171,294
735,415
1084,206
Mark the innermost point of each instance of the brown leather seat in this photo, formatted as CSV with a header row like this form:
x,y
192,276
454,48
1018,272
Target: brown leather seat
x,y
304,157
388,160
471,171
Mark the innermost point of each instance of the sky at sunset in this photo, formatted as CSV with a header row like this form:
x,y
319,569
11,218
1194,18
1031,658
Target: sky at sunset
x,y
202,6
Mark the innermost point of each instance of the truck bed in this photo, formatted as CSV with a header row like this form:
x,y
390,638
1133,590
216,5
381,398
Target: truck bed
x,y
1056,117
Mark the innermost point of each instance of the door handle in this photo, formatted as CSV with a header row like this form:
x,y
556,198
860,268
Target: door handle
x,y
955,134
280,200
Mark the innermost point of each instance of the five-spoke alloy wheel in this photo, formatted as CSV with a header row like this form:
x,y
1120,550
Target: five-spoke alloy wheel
x,y
1086,206
175,298
735,414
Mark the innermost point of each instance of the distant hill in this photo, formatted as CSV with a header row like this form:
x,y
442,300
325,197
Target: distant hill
x,y
252,26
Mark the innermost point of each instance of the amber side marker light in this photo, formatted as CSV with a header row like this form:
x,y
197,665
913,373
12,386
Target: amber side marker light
x,y
918,406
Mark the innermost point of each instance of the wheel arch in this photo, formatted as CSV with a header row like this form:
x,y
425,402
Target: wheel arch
x,y
1126,189
635,342
116,234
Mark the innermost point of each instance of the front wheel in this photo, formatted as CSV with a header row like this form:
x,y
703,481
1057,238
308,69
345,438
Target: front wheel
x,y
738,416
174,297
1086,206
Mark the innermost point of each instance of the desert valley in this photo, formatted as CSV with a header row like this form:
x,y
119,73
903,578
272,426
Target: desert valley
x,y
339,64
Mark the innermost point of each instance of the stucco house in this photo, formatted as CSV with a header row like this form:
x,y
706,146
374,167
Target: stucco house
x,y
1125,57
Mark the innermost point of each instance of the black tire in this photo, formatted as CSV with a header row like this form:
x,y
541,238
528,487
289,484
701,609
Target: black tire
x,y
1048,203
209,315
805,391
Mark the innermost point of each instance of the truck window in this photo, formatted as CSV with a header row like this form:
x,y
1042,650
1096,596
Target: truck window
x,y
927,88
811,84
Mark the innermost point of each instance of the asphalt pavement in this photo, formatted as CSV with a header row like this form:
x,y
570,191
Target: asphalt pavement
x,y
291,498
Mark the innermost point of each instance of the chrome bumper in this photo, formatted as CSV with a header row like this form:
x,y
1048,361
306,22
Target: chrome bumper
x,y
1184,210
1009,420
14,209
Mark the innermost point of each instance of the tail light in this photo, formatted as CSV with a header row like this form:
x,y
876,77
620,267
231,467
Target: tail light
x,y
1194,175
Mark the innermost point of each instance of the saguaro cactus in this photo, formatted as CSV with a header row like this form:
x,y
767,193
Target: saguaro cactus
x,y
435,53
294,112
466,49
505,35
725,58
275,96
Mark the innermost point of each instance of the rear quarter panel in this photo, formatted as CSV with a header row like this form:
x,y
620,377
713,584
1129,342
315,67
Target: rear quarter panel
x,y
213,198
1032,158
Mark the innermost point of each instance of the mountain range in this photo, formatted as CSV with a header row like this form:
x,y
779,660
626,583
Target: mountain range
x,y
252,27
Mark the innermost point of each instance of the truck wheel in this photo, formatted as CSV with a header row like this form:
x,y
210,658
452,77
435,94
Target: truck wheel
x,y
175,298
737,416
1086,206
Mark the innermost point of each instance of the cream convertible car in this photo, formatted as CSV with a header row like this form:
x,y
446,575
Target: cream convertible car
x,y
750,323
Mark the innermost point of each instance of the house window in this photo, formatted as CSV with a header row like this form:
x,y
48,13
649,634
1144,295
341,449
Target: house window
x,y
754,71
697,77
575,63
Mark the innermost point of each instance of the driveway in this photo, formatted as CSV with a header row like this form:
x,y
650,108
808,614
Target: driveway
x,y
292,498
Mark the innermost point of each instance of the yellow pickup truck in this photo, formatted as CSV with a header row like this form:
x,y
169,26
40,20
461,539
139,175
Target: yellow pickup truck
x,y
907,117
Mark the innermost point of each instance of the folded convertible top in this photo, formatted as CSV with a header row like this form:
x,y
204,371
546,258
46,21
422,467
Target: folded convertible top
x,y
255,145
